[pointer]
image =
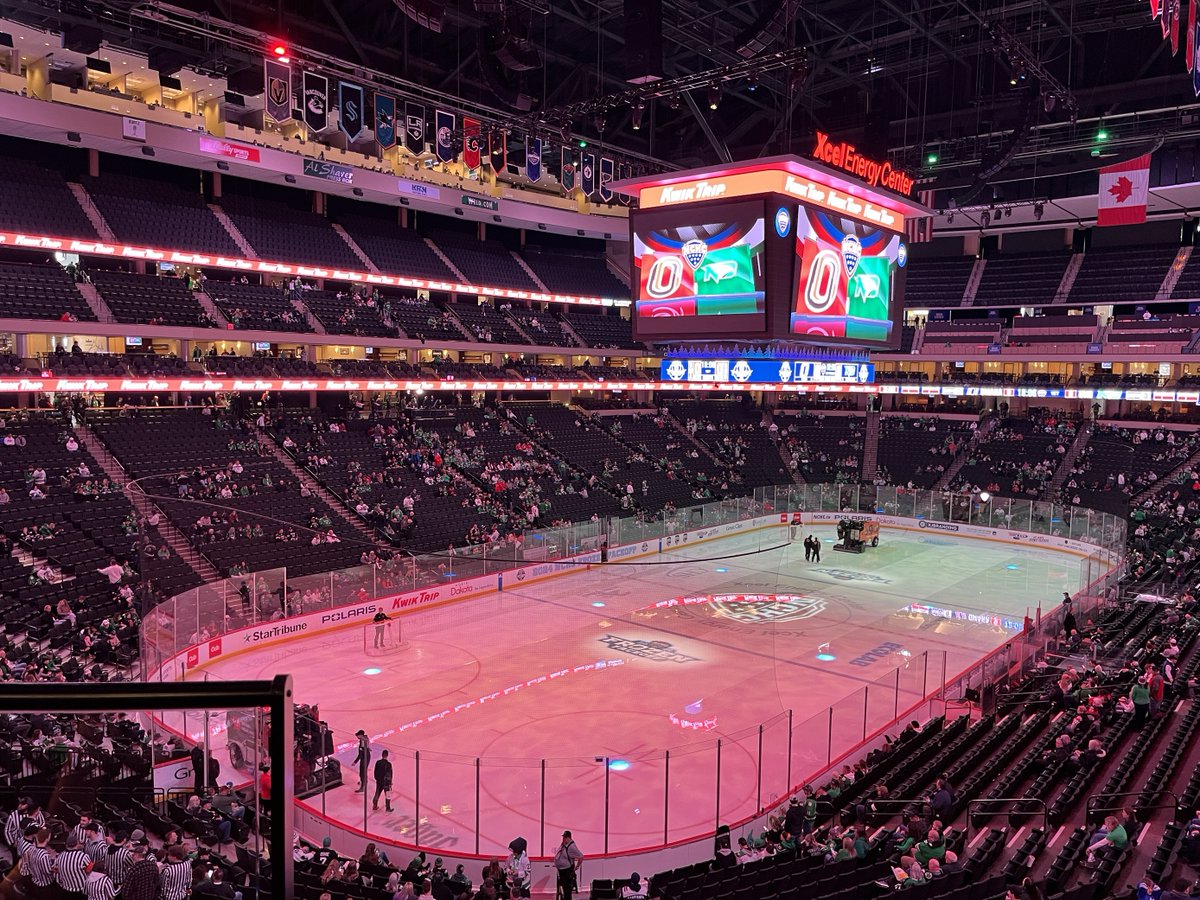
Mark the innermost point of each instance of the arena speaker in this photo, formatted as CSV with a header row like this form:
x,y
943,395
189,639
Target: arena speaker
x,y
763,31
165,61
247,82
643,41
83,39
426,13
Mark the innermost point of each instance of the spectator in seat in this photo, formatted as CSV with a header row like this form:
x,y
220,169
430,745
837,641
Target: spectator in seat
x,y
1111,834
636,889
1183,889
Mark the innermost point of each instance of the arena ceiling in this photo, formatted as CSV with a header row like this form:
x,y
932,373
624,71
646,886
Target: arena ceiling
x,y
890,74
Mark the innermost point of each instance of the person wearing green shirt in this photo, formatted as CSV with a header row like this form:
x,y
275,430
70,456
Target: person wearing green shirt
x,y
1112,834
1140,695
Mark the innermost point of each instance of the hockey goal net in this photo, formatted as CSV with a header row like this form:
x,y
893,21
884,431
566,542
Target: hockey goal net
x,y
383,638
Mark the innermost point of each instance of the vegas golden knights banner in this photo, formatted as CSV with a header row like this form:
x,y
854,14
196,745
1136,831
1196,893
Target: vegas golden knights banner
x,y
277,87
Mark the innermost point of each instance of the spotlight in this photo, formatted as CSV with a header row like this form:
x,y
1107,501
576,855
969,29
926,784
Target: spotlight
x,y
673,102
714,95
950,219
1102,134
599,121
639,110
1049,101
931,158
986,218
984,496
582,143
280,51
753,85
1039,210
1008,213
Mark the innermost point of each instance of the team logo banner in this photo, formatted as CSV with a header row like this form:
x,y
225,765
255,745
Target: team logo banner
x,y
566,175
316,101
606,177
1190,39
444,121
498,149
533,158
625,170
587,174
277,84
350,106
385,121
414,127
471,149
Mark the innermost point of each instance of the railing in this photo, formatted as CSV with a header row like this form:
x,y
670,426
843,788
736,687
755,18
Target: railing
x,y
476,804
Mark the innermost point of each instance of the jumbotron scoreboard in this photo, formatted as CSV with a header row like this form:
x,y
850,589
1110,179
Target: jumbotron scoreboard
x,y
777,249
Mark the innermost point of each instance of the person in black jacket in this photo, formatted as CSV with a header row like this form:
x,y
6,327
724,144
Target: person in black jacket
x,y
383,782
362,760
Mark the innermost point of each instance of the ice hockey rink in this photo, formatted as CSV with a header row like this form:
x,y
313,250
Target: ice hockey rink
x,y
595,700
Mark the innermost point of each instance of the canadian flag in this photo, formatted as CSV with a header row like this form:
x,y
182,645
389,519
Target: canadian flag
x,y
1124,190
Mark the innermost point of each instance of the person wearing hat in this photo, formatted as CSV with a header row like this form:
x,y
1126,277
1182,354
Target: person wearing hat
x,y
567,861
142,881
362,760
793,820
517,868
636,889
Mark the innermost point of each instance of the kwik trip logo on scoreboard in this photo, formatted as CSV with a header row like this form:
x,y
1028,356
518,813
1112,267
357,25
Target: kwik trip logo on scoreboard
x,y
845,156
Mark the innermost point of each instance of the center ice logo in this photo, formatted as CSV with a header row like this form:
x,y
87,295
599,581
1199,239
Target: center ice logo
x,y
655,651
693,252
784,609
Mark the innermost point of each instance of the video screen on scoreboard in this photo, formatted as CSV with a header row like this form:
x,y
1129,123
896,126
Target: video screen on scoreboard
x,y
849,280
699,271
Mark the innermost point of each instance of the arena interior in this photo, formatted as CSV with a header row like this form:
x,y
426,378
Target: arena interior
x,y
599,448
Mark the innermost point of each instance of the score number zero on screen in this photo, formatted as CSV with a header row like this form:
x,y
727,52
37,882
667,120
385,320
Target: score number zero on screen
x,y
845,283
701,271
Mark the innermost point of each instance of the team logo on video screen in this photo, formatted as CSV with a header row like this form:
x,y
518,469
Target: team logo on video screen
x,y
783,221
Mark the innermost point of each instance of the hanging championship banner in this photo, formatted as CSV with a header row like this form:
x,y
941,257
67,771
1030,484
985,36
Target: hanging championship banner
x,y
533,158
606,177
444,124
414,127
351,115
316,101
498,149
471,150
566,175
277,85
587,174
1176,15
385,121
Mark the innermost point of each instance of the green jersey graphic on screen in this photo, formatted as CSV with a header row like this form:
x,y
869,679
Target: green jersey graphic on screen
x,y
870,288
728,270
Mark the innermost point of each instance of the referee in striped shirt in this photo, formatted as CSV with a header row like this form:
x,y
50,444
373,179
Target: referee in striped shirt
x,y
93,841
176,874
39,866
80,830
72,866
117,859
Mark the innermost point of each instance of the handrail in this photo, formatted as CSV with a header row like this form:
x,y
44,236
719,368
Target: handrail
x,y
995,800
1093,799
